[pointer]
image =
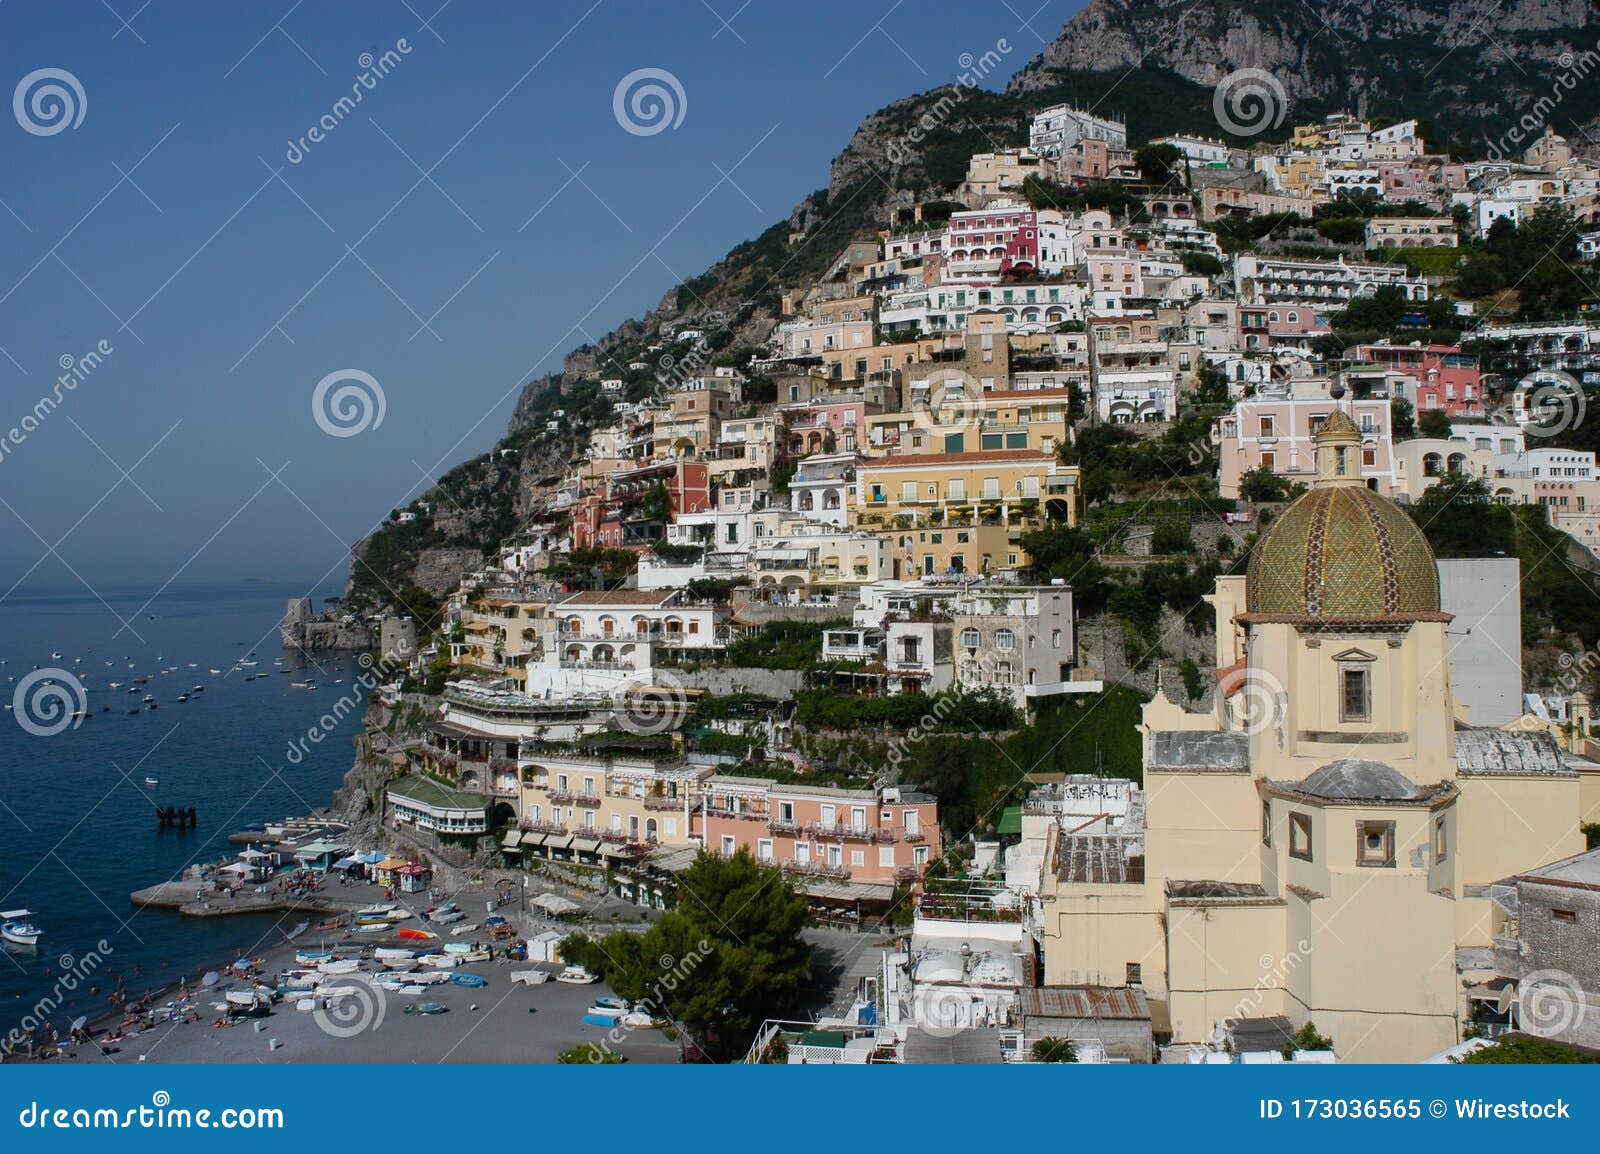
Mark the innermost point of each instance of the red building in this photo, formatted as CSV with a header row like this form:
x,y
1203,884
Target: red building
x,y
1448,380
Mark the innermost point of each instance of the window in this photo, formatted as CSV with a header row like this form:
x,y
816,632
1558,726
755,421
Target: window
x,y
969,639
1133,974
1300,836
858,858
1266,823
728,845
1355,694
1568,917
1441,838
958,489
886,857
1005,639
786,811
1376,844
1268,461
764,849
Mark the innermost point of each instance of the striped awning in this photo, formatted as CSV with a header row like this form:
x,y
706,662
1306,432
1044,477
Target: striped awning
x,y
586,844
558,840
533,838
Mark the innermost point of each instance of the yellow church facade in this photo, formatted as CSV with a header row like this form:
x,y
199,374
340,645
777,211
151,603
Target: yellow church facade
x,y
1321,844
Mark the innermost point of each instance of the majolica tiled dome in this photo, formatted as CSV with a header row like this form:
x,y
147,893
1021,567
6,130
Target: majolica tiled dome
x,y
1343,553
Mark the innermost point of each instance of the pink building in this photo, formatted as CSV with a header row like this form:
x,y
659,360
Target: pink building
x,y
1275,434
806,427
997,239
1447,378
873,839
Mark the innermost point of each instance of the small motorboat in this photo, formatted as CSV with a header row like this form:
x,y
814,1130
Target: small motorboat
x,y
406,933
183,697
530,977
457,931
313,957
401,965
470,981
458,948
297,931
427,1008
426,979
152,782
18,928
340,965
577,976
393,954
376,910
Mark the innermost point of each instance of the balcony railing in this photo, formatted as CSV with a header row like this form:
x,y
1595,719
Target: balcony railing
x,y
781,825
839,831
816,869
543,827
663,803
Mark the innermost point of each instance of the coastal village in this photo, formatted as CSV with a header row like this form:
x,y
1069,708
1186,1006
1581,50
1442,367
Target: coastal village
x,y
1225,455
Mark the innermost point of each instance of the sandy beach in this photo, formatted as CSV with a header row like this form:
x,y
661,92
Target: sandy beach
x,y
502,1021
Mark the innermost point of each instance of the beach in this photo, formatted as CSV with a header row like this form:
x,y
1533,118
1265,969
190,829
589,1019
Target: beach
x,y
499,1022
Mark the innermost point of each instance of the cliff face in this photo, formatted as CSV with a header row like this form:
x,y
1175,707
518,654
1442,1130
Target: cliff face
x,y
1461,63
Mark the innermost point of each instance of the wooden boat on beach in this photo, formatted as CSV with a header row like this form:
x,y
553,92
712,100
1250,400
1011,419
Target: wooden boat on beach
x,y
406,933
312,957
340,966
391,953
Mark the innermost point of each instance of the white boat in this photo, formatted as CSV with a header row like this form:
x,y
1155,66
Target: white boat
x,y
427,979
458,947
457,931
445,919
401,965
390,953
639,1020
373,927
530,977
152,782
339,965
312,957
440,961
17,927
376,910
577,976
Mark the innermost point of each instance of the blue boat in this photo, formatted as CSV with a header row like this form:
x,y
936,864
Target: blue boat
x,y
471,981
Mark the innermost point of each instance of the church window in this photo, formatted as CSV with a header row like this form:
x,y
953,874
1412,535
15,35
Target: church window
x,y
1355,700
1300,836
1376,846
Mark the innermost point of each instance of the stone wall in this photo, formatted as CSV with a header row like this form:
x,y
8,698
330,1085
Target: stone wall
x,y
776,683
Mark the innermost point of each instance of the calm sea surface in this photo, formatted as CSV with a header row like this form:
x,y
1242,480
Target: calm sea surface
x,y
78,830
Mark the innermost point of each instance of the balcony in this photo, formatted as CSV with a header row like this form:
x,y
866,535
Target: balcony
x,y
663,803
781,825
839,832
816,869
907,873
543,827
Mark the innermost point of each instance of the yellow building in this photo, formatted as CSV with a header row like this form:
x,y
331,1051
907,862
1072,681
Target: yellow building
x,y
1322,844
998,487
500,635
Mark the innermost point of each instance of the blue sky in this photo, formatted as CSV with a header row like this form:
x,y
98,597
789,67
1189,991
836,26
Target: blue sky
x,y
479,213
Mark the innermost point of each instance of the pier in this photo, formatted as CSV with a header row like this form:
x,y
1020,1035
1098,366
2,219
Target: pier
x,y
201,900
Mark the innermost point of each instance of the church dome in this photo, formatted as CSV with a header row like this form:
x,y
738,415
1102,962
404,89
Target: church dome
x,y
1341,552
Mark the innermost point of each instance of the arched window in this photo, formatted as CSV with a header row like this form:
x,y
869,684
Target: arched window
x,y
1005,639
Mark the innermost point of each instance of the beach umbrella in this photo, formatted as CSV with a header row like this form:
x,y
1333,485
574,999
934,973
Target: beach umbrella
x,y
211,978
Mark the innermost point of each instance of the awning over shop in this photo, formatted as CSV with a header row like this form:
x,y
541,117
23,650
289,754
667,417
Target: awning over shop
x,y
512,840
558,840
534,838
586,844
